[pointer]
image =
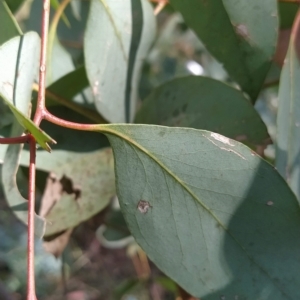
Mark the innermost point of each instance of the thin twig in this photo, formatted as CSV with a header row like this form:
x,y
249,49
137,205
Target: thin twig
x,y
31,295
88,113
15,140
42,72
52,32
30,239
67,124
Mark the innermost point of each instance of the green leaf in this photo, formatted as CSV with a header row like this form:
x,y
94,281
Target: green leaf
x,y
208,211
9,27
240,34
122,32
40,136
72,91
86,161
76,9
19,57
92,174
204,103
288,118
17,203
6,116
59,61
55,4
287,13
69,86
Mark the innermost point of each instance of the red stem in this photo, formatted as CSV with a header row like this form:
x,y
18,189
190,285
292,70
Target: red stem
x,y
30,240
61,122
40,114
38,117
15,140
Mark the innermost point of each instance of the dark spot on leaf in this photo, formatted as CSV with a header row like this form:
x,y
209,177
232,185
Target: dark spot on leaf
x,y
143,206
69,188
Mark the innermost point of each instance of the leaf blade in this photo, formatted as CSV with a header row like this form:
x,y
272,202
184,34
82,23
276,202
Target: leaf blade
x,y
114,78
288,118
198,225
204,103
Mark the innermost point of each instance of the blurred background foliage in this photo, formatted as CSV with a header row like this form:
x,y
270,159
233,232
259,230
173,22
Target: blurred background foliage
x,y
99,259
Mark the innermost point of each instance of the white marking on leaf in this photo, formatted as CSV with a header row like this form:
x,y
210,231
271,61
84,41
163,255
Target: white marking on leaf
x,y
235,152
221,138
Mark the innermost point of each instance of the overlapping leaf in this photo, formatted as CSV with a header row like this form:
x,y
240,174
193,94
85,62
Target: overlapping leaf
x,y
204,103
288,118
92,177
117,39
240,34
208,211
86,164
19,58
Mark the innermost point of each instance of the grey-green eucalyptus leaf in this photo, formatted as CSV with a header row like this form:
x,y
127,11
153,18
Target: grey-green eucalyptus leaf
x,y
92,175
19,57
208,211
288,118
17,203
117,39
205,103
85,160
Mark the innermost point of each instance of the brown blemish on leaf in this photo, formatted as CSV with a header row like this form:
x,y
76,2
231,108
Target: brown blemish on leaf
x,y
54,190
143,206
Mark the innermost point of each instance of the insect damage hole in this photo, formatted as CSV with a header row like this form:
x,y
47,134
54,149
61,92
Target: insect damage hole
x,y
143,206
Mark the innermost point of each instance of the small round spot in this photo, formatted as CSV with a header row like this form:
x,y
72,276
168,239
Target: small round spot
x,y
270,203
43,68
143,206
